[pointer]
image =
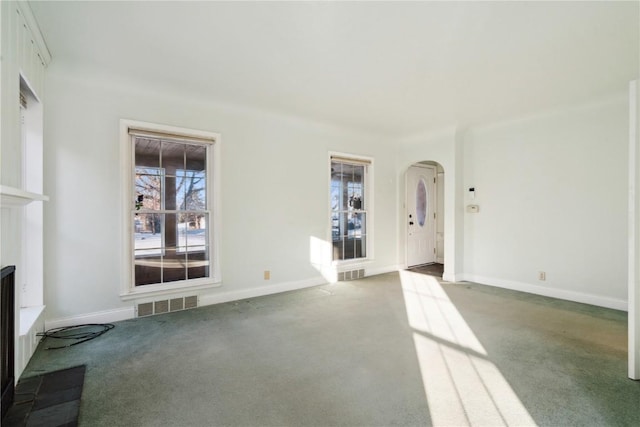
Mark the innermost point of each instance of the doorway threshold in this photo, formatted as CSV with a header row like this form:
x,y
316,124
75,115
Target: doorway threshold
x,y
432,269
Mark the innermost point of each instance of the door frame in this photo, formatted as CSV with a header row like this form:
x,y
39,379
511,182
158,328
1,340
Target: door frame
x,y
406,209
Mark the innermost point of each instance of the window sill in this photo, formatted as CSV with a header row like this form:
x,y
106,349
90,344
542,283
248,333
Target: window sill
x,y
349,263
151,291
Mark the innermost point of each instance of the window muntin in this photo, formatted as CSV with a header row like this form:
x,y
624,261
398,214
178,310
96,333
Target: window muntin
x,y
348,209
171,213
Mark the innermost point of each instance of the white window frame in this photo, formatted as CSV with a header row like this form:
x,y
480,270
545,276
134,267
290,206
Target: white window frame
x,y
369,204
128,289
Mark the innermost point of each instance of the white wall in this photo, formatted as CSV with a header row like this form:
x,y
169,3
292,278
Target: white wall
x,y
552,191
274,190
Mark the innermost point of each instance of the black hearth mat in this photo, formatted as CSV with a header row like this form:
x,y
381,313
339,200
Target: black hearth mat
x,y
50,400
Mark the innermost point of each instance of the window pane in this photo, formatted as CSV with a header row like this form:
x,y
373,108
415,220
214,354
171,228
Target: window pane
x,y
170,231
335,226
174,267
196,158
148,270
147,234
338,250
356,224
360,247
147,152
190,190
192,232
172,156
355,187
198,264
148,188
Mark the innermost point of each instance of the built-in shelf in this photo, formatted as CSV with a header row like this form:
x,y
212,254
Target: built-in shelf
x,y
14,197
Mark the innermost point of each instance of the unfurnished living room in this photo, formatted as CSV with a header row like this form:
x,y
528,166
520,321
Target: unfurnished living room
x,y
320,213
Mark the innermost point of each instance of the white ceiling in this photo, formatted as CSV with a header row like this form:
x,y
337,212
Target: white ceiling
x,y
389,67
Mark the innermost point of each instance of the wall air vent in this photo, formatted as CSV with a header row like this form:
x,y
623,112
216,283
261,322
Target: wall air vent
x,y
350,275
191,302
161,307
145,309
176,304
166,306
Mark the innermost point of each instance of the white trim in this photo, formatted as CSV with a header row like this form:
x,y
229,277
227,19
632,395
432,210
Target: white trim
x,y
382,270
31,323
211,137
14,197
116,315
368,162
217,298
106,316
119,314
581,297
171,288
127,288
406,210
28,317
351,160
34,29
634,236
449,277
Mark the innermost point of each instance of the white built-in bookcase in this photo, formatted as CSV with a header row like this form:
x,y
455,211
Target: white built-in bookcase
x,y
22,70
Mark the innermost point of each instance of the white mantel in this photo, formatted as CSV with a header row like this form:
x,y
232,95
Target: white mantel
x,y
14,197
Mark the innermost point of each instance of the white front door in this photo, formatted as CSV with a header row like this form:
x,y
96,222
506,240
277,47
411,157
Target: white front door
x,y
421,221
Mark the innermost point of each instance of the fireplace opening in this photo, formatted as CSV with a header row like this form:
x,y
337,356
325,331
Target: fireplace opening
x,y
7,344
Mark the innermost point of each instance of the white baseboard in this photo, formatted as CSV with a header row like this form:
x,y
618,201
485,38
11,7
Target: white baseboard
x,y
106,316
235,295
616,304
382,270
448,277
217,298
125,313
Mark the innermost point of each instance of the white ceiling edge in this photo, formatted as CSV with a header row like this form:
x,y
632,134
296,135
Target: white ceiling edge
x,y
516,69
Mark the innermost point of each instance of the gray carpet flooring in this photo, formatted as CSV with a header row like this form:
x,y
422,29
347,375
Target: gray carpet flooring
x,y
395,349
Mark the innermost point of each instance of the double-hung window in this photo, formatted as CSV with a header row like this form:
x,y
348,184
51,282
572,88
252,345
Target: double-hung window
x,y
170,211
349,207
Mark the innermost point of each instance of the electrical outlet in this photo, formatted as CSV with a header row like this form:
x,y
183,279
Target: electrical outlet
x,y
542,275
267,275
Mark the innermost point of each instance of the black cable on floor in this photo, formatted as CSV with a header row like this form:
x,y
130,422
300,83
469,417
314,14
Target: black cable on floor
x,y
77,332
